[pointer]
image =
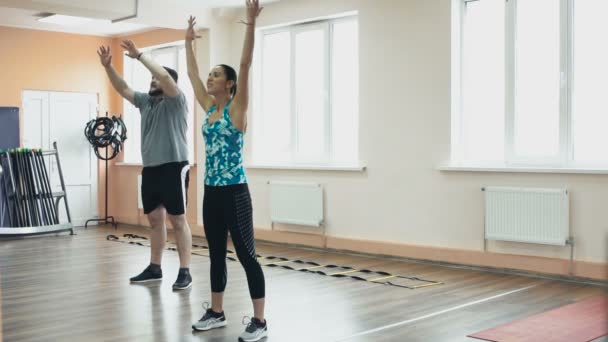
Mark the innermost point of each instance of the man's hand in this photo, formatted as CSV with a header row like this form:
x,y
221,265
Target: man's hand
x,y
129,46
117,82
105,56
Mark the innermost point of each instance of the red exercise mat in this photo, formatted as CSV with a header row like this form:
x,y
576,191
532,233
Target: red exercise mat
x,y
583,321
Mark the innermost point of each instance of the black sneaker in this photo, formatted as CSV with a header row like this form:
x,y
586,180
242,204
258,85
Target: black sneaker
x,y
184,280
255,331
151,273
210,320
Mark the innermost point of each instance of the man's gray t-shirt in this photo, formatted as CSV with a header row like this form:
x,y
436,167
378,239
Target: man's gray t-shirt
x,y
164,126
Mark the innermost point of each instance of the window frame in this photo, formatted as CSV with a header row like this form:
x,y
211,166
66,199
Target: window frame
x,y
326,26
565,157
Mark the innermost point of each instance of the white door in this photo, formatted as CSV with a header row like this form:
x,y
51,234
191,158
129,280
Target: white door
x,y
61,117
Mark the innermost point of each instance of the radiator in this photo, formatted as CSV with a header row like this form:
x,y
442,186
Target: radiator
x,y
531,215
296,203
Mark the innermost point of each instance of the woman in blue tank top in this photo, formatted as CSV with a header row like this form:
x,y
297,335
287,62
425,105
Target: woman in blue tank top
x,y
227,202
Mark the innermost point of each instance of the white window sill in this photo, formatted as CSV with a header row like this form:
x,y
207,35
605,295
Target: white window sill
x,y
138,164
520,169
308,167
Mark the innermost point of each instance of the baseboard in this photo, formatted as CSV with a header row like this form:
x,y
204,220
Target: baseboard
x,y
291,238
525,263
142,221
541,265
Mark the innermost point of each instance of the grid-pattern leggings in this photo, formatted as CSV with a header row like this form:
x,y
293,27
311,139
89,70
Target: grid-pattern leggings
x,y
228,208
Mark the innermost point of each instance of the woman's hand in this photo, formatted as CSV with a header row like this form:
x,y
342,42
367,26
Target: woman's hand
x,y
253,10
190,33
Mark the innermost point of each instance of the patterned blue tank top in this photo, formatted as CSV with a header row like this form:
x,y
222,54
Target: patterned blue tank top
x,y
224,151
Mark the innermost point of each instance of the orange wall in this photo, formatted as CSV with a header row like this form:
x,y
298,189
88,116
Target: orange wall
x,y
156,37
41,60
123,181
53,61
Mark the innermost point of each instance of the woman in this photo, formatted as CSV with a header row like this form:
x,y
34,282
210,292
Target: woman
x,y
227,202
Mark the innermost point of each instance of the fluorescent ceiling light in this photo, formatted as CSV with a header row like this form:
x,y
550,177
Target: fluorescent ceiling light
x,y
65,20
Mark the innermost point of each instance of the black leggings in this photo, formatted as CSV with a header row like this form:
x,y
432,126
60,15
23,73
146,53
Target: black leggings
x,y
229,208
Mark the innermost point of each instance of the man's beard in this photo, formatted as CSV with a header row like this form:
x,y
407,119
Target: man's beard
x,y
155,92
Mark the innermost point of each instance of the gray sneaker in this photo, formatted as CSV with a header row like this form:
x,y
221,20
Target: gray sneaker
x,y
210,320
255,331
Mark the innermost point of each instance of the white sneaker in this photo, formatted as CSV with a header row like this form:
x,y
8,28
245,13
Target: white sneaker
x,y
210,320
255,330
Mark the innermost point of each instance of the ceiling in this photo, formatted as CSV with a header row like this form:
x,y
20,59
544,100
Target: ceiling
x,y
25,18
151,14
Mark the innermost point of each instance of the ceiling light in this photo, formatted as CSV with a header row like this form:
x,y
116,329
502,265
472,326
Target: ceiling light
x,y
65,20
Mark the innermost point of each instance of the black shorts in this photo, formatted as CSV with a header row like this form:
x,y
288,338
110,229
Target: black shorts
x,y
165,185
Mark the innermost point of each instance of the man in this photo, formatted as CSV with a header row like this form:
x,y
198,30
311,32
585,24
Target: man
x,y
164,151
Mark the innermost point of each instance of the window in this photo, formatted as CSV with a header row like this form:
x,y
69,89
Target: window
x,y
589,73
306,94
138,77
532,83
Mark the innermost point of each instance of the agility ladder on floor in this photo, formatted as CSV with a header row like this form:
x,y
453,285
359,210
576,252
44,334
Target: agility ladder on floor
x,y
378,277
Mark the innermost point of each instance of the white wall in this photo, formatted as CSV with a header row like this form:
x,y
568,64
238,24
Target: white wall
x,y
405,134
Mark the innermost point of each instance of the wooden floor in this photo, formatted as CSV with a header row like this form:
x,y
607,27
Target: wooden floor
x,y
75,288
